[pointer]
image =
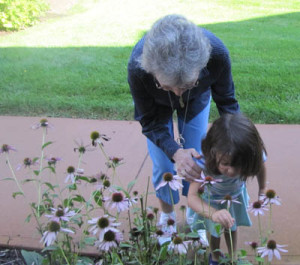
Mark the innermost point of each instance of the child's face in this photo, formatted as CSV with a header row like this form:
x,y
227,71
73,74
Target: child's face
x,y
224,166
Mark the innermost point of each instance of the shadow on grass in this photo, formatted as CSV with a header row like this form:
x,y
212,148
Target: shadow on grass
x,y
91,82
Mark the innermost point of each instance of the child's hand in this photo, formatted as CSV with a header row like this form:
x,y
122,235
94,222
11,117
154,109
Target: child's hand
x,y
223,217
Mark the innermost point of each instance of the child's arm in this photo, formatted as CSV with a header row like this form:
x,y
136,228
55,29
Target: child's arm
x,y
261,180
201,207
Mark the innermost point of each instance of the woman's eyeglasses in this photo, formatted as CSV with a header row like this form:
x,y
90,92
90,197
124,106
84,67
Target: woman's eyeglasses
x,y
166,88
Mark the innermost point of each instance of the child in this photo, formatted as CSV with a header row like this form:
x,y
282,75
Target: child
x,y
233,151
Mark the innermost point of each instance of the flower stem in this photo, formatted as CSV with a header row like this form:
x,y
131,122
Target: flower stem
x,y
260,230
64,255
270,220
40,171
14,175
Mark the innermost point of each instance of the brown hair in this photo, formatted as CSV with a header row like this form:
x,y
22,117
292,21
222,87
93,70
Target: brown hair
x,y
234,135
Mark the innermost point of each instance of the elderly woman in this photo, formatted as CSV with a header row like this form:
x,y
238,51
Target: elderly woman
x,y
178,66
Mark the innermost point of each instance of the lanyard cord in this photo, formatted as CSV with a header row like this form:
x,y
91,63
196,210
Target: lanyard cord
x,y
180,140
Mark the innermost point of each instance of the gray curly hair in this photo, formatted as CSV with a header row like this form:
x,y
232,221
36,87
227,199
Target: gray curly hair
x,y
175,51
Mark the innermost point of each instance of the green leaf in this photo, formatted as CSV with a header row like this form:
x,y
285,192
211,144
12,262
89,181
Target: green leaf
x,y
51,168
98,197
50,186
32,257
163,251
27,220
84,178
90,240
15,194
50,248
7,179
72,187
36,172
218,228
131,184
259,259
78,198
46,144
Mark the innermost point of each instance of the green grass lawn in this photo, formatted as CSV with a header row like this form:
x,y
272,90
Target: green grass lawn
x,y
76,65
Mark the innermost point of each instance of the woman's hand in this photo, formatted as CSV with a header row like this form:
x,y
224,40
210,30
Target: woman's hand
x,y
185,164
223,217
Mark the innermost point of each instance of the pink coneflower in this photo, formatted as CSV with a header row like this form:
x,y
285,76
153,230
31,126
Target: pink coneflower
x,y
257,208
207,180
28,162
71,174
42,124
118,201
52,160
270,198
114,162
102,224
109,240
168,226
271,249
97,138
172,180
61,214
81,148
228,200
178,245
160,234
252,244
50,235
5,148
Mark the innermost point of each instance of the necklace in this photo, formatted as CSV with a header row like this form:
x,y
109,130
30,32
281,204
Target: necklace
x,y
180,140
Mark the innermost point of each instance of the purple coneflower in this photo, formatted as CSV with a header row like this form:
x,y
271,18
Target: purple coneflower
x,y
207,180
102,224
97,137
168,226
118,201
172,180
114,162
228,200
81,148
50,235
252,244
42,124
257,208
271,198
28,162
5,148
71,174
178,245
52,160
271,249
110,239
61,214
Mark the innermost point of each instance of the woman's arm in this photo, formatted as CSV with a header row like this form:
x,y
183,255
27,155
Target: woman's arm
x,y
201,207
261,180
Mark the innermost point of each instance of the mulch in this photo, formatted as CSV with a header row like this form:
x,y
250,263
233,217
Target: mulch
x,y
11,257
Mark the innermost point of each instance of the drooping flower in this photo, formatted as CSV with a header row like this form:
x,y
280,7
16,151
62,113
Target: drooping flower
x,y
28,162
81,148
50,235
42,124
257,208
61,214
272,249
207,180
270,197
5,148
109,240
114,162
252,244
72,174
52,160
178,245
172,180
168,226
228,200
118,201
97,138
102,224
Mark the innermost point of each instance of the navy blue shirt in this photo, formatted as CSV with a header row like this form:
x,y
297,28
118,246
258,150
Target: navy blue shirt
x,y
153,107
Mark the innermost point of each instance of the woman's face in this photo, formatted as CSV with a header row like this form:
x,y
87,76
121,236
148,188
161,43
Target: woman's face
x,y
225,168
